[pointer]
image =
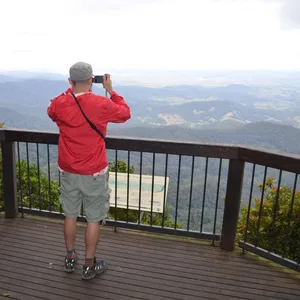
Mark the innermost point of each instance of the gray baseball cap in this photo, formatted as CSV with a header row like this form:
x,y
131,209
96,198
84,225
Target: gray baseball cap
x,y
81,71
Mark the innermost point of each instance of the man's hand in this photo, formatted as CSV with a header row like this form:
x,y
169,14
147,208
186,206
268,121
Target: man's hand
x,y
107,84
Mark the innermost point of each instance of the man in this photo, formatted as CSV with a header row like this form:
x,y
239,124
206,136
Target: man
x,y
82,159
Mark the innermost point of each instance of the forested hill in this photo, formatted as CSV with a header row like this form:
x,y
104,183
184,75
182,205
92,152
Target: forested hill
x,y
262,134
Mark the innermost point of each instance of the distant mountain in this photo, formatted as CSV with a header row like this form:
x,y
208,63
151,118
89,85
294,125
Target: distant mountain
x,y
30,97
31,91
13,119
262,134
188,106
5,78
204,113
188,92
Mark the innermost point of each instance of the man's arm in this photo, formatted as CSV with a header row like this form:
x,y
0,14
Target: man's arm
x,y
116,109
51,110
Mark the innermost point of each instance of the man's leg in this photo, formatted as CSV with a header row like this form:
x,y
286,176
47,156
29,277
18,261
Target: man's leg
x,y
96,206
70,234
91,239
71,200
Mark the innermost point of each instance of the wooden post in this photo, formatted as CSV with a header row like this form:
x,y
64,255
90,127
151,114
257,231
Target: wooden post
x,y
9,179
232,204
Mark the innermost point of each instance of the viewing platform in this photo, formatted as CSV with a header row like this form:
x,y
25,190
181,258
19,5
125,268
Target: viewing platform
x,y
141,266
205,232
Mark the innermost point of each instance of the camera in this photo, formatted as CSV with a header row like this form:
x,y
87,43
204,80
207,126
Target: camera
x,y
98,79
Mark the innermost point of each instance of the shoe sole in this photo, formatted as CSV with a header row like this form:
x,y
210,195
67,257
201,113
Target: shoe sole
x,y
95,274
69,270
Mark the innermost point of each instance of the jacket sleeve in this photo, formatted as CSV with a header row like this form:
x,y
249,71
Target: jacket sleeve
x,y
52,107
51,110
117,110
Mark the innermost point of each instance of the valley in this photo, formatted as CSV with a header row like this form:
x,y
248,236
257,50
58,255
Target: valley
x,y
189,106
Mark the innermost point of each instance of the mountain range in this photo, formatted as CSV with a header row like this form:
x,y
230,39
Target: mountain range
x,y
263,116
276,137
189,106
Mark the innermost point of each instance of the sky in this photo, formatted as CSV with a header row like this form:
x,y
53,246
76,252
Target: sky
x,y
150,34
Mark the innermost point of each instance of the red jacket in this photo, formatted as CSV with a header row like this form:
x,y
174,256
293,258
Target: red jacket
x,y
81,150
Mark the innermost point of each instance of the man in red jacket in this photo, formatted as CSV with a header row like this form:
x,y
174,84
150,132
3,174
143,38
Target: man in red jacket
x,y
82,159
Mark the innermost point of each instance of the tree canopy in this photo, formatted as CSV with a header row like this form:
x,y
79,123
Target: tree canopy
x,y
279,235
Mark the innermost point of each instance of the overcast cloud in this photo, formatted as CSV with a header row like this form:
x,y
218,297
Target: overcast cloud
x,y
150,34
290,14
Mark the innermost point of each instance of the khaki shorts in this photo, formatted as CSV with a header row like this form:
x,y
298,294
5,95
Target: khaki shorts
x,y
92,192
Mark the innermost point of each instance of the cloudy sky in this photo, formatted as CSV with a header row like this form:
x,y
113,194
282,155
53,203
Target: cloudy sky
x,y
150,34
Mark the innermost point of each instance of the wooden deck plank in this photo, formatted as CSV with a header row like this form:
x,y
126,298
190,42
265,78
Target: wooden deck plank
x,y
16,295
174,245
29,288
168,291
192,289
206,266
122,262
199,254
188,262
147,292
140,267
71,289
209,256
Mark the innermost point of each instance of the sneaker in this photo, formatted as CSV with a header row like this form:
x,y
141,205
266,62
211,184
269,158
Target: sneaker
x,y
98,267
70,264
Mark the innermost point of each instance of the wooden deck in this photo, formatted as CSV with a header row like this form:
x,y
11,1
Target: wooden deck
x,y
141,266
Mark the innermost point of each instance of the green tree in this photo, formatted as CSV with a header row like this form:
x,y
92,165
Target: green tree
x,y
34,190
121,167
281,236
